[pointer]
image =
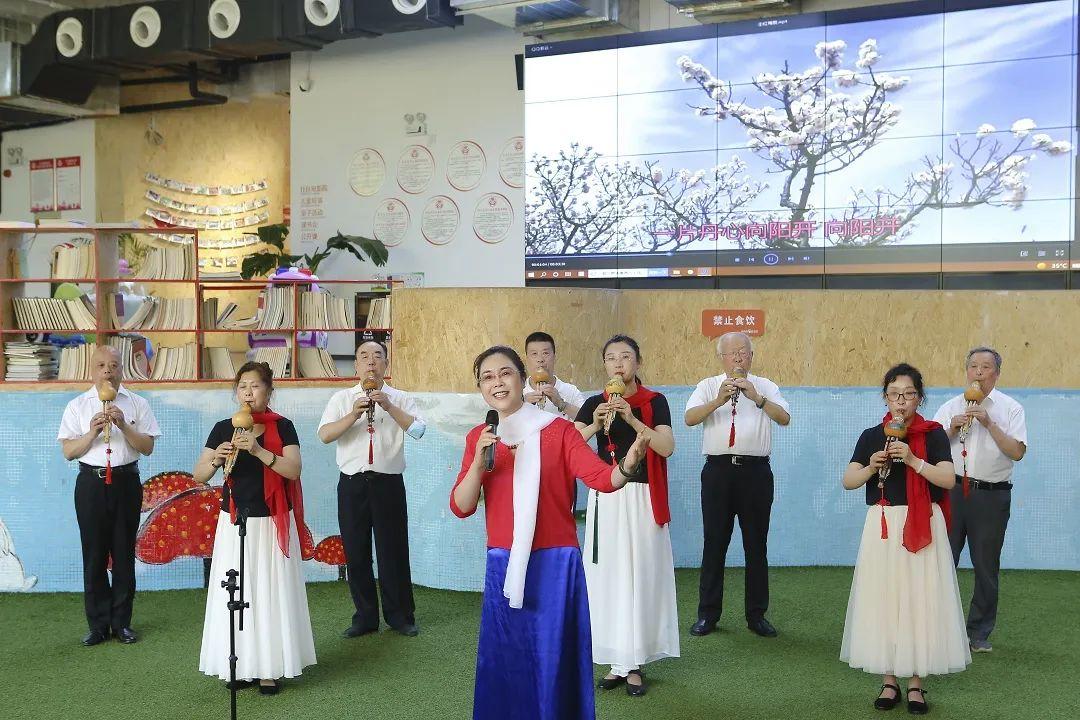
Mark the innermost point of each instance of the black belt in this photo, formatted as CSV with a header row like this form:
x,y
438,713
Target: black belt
x,y
131,467
983,485
374,473
738,459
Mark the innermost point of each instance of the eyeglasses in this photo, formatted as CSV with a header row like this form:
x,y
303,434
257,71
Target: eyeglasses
x,y
907,395
738,354
489,377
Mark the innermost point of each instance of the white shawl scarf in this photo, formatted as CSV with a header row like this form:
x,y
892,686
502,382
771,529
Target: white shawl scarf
x,y
523,430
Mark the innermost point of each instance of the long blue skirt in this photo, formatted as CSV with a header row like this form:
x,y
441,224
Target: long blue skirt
x,y
535,663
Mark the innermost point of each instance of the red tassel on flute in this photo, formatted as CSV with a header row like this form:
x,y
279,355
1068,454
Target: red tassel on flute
x,y
966,484
731,435
371,445
884,525
108,466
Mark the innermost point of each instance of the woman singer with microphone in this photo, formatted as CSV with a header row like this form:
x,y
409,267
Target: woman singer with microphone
x,y
534,656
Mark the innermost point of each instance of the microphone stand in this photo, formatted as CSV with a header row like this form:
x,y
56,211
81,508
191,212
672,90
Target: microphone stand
x,y
233,582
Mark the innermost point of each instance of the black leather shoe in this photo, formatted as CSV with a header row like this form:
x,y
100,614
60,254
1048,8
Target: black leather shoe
x,y
888,703
702,628
127,636
636,690
408,630
920,706
355,631
610,683
270,689
95,637
761,627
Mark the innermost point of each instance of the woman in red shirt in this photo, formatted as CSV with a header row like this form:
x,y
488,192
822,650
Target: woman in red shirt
x,y
534,657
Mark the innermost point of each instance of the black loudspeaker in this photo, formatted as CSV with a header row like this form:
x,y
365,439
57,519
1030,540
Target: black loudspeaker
x,y
150,34
57,61
519,70
249,28
391,16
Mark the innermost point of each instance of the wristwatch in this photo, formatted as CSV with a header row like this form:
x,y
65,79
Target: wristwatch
x,y
761,404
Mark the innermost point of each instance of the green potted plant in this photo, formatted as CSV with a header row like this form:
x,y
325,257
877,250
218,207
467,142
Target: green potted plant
x,y
267,260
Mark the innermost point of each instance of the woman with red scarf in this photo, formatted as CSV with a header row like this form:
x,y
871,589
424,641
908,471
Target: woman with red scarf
x,y
629,567
264,487
904,617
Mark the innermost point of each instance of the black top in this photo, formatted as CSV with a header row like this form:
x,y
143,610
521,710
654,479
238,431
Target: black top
x,y
873,439
621,432
247,474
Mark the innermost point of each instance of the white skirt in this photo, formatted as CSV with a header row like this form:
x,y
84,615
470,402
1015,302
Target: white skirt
x,y
632,585
904,615
276,641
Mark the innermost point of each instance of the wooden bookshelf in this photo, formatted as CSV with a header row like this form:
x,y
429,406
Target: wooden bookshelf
x,y
25,271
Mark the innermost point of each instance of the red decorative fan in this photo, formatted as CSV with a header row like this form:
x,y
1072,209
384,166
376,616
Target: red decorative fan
x,y
165,485
184,525
330,551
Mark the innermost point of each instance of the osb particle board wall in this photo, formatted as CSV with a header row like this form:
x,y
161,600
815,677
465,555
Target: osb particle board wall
x,y
219,144
812,338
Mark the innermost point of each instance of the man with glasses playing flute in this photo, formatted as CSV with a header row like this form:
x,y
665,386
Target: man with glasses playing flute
x,y
737,410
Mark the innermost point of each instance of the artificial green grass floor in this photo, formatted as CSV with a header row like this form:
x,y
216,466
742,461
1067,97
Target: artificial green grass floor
x,y
46,674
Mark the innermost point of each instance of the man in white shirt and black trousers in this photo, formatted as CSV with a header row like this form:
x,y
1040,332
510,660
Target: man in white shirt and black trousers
x,y
737,480
371,494
108,508
560,397
997,438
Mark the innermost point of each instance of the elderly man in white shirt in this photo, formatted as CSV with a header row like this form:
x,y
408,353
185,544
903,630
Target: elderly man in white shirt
x,y
557,397
108,503
370,428
737,480
981,499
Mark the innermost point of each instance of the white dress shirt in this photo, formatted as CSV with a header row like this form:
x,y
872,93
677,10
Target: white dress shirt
x,y
753,427
985,461
81,410
569,393
389,438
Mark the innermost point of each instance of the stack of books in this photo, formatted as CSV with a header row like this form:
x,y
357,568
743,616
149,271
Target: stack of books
x,y
315,363
218,364
30,361
73,260
173,262
323,311
174,363
379,313
156,313
276,357
38,313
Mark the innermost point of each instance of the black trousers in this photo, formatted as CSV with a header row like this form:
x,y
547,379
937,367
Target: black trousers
x,y
108,518
980,519
368,503
728,492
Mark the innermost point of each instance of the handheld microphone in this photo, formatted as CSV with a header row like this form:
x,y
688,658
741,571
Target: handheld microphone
x,y
492,421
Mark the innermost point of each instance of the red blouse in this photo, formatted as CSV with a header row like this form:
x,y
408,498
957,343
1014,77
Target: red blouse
x,y
564,457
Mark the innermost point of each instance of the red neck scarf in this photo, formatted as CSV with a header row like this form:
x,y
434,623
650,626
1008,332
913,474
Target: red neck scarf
x,y
917,526
277,491
655,464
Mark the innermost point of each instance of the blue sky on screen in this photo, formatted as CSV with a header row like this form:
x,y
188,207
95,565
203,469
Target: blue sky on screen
x,y
994,65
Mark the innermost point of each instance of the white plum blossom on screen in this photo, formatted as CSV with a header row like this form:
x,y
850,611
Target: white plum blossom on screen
x,y
831,54
820,121
1021,128
868,54
1041,141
